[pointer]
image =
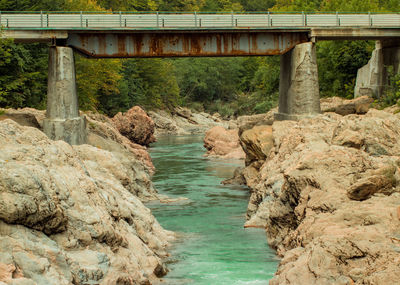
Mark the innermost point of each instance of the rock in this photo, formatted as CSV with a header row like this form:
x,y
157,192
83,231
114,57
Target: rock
x,y
72,214
21,116
328,194
103,135
164,124
223,143
344,107
183,121
183,112
237,179
136,125
376,181
257,143
248,122
25,116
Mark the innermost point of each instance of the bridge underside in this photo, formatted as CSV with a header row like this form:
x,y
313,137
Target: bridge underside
x,y
184,44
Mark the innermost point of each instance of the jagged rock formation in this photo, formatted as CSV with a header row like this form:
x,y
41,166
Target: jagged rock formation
x,y
183,121
71,214
326,189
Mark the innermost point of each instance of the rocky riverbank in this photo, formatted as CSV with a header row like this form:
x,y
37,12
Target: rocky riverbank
x,y
74,214
327,191
182,121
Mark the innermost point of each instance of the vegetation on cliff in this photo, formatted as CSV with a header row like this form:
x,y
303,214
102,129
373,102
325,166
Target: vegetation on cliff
x,y
231,86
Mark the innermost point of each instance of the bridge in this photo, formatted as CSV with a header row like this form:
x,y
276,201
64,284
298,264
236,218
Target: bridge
x,y
172,34
163,34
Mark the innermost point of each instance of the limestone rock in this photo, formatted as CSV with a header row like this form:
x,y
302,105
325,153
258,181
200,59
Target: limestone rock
x,y
136,125
382,180
248,122
328,195
72,214
257,143
237,179
23,117
102,134
183,121
223,143
344,107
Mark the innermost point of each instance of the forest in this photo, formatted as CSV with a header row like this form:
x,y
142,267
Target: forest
x,y
230,86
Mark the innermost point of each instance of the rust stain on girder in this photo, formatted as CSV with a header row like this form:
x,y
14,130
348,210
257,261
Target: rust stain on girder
x,y
185,44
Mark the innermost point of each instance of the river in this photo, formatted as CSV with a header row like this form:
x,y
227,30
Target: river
x,y
213,247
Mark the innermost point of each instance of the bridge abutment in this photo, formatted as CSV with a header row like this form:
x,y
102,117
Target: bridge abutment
x,y
373,78
62,116
298,87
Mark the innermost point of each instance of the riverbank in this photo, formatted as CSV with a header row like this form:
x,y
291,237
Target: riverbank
x,y
327,192
75,214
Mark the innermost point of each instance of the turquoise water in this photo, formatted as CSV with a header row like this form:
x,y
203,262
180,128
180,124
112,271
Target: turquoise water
x,y
213,247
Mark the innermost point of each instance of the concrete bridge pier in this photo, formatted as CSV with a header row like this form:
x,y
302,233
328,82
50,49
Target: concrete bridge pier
x,y
373,78
298,86
62,116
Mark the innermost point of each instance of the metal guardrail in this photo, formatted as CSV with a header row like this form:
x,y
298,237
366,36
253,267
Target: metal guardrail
x,y
192,20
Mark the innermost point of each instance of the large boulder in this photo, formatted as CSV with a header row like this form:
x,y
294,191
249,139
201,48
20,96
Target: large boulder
x,y
223,143
257,143
328,196
136,125
345,107
72,214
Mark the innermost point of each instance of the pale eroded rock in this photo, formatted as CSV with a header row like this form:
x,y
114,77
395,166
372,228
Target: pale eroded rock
x,y
223,143
328,195
71,214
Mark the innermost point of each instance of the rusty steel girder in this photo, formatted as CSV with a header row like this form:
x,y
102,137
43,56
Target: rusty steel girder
x,y
184,44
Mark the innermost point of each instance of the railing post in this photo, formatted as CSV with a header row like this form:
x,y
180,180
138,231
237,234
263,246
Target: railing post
x,y
163,23
269,19
195,19
87,23
337,19
200,22
369,19
81,19
125,22
47,19
305,19
232,19
7,23
236,22
302,17
41,19
120,19
158,20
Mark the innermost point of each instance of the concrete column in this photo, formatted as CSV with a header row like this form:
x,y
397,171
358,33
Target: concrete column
x,y
373,78
298,86
62,117
370,77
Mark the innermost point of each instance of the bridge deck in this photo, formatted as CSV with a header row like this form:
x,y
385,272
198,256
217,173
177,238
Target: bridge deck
x,y
192,34
163,20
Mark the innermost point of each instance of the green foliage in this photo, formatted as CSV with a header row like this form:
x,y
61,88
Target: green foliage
x,y
22,75
392,93
149,83
338,63
96,78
